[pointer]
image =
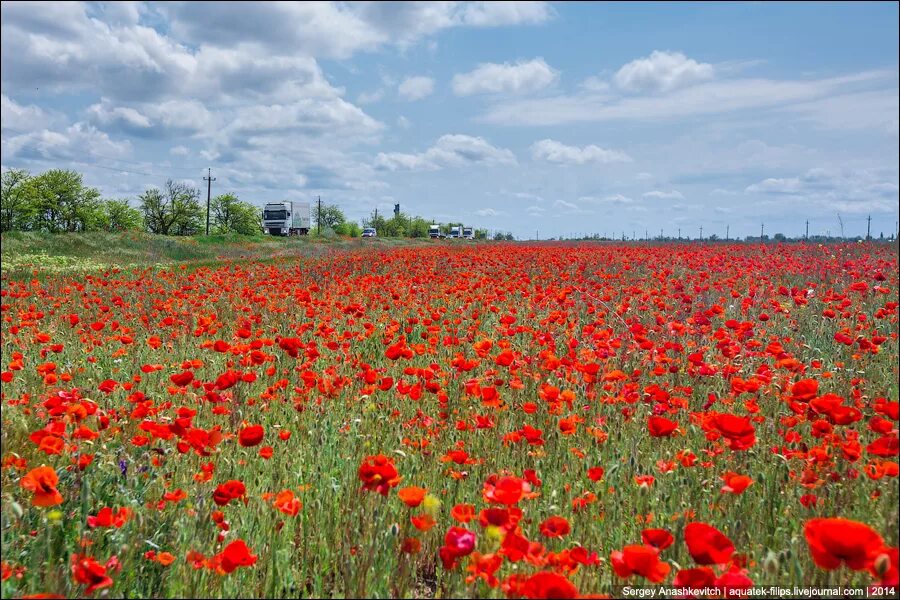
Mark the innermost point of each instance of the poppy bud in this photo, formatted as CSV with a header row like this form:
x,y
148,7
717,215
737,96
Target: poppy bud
x,y
770,563
882,564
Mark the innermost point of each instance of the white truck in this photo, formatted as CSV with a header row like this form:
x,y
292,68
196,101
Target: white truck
x,y
468,233
286,218
455,232
434,231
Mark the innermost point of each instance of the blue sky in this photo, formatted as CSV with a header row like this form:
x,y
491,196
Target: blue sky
x,y
558,118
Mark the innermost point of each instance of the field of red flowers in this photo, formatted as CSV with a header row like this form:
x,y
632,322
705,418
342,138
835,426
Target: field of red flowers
x,y
493,420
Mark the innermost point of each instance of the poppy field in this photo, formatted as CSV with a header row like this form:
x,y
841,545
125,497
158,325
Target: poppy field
x,y
543,420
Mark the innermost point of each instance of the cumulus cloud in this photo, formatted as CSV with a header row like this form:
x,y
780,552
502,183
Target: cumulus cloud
x,y
453,150
662,72
488,212
18,118
416,88
557,152
492,78
845,190
663,195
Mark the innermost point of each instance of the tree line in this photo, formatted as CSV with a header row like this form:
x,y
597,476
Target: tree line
x,y
57,201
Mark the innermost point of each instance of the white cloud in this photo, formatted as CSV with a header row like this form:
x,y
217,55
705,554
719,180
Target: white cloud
x,y
661,195
370,97
76,142
16,118
716,97
488,212
491,14
557,152
855,191
535,210
179,151
566,205
452,150
416,88
662,72
519,78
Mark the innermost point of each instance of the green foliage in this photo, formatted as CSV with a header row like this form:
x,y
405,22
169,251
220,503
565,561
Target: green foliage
x,y
481,234
330,217
173,211
119,215
348,228
230,215
63,203
17,206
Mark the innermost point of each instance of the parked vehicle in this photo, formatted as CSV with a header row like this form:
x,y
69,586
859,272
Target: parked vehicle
x,y
468,233
369,232
286,218
434,232
455,232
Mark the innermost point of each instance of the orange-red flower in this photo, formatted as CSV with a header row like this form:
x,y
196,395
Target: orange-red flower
x,y
412,496
42,483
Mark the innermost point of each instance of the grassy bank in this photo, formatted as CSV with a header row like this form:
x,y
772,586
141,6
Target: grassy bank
x,y
25,251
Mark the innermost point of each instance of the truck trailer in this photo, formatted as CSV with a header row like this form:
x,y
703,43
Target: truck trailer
x,y
286,218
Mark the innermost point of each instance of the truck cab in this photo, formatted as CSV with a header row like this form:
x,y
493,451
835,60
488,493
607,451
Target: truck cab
x,y
434,231
286,218
455,232
468,233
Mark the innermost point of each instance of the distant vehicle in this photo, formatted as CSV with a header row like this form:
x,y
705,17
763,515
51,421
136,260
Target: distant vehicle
x,y
468,233
455,232
286,218
369,232
434,232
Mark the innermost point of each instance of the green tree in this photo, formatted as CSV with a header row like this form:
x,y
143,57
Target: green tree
x,y
481,234
173,211
418,227
230,215
330,218
17,200
119,215
349,229
63,203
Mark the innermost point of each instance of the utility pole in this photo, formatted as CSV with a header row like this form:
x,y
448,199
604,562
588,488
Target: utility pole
x,y
806,235
679,233
208,179
869,228
727,230
701,233
319,216
762,231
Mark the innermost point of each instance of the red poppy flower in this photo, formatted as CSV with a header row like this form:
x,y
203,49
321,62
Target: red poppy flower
x,y
661,426
42,483
658,538
836,540
555,527
236,554
639,560
707,545
412,496
88,572
251,436
549,585
378,474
